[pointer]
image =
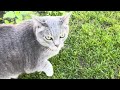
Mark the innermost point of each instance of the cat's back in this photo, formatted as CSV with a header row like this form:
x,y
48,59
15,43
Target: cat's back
x,y
6,27
6,30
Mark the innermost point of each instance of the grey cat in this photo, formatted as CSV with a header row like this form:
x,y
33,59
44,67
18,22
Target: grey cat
x,y
26,47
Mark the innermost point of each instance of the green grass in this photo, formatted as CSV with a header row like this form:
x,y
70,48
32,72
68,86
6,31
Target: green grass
x,y
92,50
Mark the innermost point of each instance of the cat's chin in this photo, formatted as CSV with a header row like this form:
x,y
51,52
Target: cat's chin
x,y
56,48
53,49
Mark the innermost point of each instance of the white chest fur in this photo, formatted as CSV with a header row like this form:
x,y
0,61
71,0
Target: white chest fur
x,y
48,54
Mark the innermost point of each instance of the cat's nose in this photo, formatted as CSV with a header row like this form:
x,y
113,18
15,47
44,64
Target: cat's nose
x,y
57,45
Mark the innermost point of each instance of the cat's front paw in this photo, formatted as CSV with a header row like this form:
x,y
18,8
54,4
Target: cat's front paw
x,y
47,68
49,72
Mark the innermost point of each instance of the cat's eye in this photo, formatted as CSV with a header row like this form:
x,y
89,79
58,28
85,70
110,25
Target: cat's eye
x,y
44,24
62,35
48,37
38,26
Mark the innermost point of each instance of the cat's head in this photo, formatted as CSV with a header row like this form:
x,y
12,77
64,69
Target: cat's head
x,y
52,31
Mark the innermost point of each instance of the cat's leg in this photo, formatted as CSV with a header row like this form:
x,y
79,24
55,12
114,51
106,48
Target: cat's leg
x,y
14,76
46,67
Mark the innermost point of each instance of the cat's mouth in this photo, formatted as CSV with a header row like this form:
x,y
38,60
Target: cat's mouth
x,y
51,49
54,49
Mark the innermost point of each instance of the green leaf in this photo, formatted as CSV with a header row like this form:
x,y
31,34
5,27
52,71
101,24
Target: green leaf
x,y
18,15
6,22
18,21
0,18
9,14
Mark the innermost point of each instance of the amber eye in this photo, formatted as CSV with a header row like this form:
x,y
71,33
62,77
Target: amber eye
x,y
48,37
62,35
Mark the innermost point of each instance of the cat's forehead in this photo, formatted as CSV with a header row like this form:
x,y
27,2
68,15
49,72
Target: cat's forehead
x,y
51,17
52,21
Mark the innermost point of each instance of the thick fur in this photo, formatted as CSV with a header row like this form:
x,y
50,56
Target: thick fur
x,y
22,52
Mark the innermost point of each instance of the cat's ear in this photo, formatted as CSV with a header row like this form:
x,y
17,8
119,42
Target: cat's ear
x,y
65,18
38,21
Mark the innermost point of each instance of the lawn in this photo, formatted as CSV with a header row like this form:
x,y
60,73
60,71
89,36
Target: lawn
x,y
92,50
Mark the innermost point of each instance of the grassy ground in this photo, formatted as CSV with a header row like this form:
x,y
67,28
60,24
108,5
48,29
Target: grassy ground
x,y
92,50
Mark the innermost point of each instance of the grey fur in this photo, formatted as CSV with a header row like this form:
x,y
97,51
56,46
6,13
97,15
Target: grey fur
x,y
22,52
